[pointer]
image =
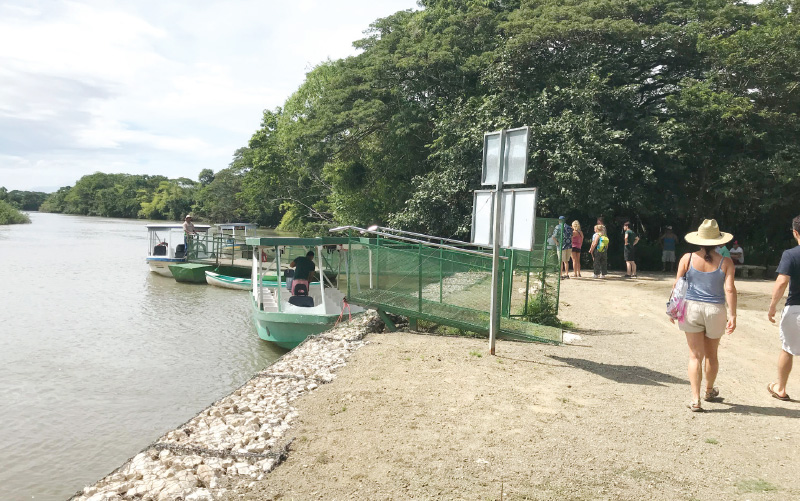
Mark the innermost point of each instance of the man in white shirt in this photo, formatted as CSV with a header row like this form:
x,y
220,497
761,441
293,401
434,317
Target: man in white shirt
x,y
188,231
737,254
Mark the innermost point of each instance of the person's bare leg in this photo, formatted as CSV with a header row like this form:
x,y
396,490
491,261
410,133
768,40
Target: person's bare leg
x,y
633,268
576,264
711,346
696,355
628,267
785,361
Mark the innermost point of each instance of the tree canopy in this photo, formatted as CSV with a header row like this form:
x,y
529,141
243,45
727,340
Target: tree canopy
x,y
661,111
657,111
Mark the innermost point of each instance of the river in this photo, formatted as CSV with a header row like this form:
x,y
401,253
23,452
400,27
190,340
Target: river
x,y
99,356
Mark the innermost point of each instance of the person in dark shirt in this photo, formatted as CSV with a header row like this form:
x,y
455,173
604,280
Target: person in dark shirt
x,y
303,270
631,239
788,274
668,241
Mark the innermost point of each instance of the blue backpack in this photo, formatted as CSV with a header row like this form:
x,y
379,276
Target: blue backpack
x,y
602,243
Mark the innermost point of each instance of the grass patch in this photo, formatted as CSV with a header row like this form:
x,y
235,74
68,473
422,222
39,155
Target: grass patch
x,y
755,485
475,353
712,441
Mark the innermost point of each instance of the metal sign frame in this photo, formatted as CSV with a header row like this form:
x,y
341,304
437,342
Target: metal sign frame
x,y
515,152
510,230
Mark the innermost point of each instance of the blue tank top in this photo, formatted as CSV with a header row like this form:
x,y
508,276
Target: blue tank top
x,y
706,286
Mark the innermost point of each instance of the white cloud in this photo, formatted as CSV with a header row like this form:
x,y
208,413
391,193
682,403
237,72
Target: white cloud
x,y
153,87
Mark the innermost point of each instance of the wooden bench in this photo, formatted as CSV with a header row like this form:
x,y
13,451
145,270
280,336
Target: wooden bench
x,y
750,271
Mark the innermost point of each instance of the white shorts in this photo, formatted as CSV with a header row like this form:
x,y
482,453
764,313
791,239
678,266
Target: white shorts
x,y
709,317
790,330
566,254
667,256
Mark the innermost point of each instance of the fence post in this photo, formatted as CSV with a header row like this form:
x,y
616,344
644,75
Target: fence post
x,y
508,281
441,273
419,266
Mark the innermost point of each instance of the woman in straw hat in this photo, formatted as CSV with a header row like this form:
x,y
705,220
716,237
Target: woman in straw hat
x,y
710,285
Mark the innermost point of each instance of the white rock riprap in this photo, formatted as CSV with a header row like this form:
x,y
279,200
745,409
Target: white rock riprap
x,y
239,436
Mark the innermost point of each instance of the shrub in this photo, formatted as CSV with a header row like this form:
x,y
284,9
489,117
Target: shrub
x,y
10,215
541,310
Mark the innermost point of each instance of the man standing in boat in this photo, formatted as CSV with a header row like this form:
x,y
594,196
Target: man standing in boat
x,y
188,231
303,270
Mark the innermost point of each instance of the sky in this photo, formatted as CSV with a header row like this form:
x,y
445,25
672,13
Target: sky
x,y
153,87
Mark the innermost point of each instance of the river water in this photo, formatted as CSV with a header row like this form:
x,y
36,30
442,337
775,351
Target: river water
x,y
99,356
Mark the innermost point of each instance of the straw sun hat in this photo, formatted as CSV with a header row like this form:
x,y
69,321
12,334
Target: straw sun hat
x,y
708,234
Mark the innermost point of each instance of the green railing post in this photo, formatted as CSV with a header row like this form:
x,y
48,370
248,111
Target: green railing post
x,y
558,284
508,279
441,273
377,262
348,262
527,281
544,258
419,266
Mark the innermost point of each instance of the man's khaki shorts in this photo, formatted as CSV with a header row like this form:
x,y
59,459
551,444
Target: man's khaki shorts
x,y
709,317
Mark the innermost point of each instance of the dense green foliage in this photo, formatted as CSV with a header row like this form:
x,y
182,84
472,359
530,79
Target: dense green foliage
x,y
22,200
11,215
658,111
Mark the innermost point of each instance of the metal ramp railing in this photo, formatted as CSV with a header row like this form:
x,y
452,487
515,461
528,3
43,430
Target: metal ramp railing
x,y
449,282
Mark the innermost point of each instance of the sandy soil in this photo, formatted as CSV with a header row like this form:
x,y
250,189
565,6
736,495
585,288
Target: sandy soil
x,y
420,417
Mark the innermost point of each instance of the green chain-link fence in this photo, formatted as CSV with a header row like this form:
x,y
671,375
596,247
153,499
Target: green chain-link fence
x,y
451,285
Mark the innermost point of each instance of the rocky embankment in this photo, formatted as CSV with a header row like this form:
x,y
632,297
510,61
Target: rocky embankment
x,y
239,436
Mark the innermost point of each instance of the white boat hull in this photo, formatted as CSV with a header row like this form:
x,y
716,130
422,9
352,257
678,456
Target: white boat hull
x,y
161,266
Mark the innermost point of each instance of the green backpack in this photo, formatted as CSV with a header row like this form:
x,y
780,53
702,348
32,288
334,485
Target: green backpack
x,y
602,243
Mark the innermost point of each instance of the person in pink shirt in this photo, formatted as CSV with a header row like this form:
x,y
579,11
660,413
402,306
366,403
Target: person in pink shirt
x,y
577,243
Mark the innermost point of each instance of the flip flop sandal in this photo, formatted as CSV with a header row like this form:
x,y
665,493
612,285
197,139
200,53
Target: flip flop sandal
x,y
712,395
695,406
784,397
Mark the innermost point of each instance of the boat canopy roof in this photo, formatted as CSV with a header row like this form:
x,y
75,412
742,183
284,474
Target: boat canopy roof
x,y
308,242
236,226
173,226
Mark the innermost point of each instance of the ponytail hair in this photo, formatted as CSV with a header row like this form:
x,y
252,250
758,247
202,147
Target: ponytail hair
x,y
708,249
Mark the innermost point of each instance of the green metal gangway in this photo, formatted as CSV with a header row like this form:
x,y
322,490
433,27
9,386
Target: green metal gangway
x,y
448,282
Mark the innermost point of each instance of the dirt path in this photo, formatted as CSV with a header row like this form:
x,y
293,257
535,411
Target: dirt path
x,y
421,417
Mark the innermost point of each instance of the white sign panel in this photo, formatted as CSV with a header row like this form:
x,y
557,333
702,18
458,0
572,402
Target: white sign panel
x,y
515,167
518,218
482,217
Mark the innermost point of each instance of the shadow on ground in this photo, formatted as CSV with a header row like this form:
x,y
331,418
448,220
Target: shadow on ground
x,y
629,374
754,409
598,332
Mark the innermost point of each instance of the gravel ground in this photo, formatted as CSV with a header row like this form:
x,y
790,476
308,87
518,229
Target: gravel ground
x,y
421,417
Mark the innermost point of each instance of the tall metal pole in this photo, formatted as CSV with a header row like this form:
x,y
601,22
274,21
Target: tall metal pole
x,y
497,235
